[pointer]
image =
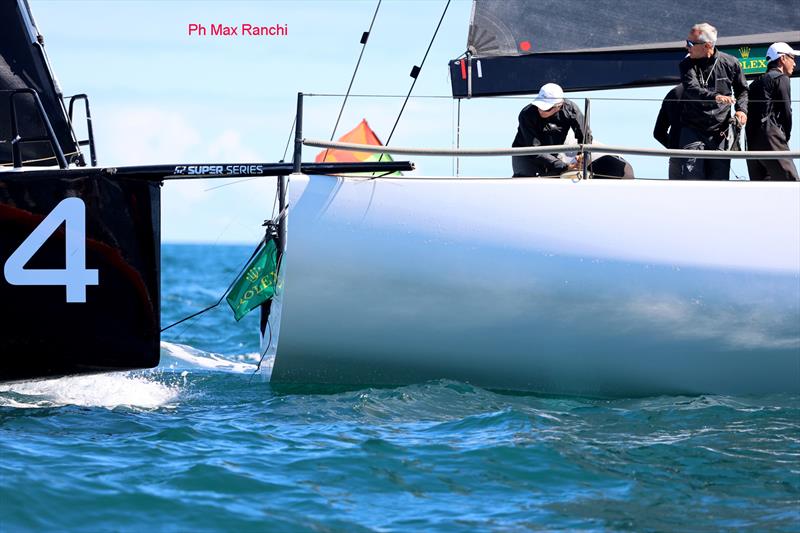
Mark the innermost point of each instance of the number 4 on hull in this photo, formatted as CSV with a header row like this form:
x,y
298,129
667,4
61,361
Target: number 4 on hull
x,y
75,277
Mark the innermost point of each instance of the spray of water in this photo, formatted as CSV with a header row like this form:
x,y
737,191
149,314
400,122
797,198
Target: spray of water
x,y
139,390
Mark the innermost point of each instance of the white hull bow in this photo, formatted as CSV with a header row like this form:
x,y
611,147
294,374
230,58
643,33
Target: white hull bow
x,y
600,288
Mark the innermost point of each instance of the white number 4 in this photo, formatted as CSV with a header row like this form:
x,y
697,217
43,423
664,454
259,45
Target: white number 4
x,y
75,277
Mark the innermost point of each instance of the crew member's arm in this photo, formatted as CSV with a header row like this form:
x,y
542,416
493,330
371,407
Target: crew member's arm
x,y
661,129
524,132
741,93
782,105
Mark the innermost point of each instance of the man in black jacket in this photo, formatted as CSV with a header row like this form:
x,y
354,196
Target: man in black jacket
x,y
770,124
667,130
710,80
546,122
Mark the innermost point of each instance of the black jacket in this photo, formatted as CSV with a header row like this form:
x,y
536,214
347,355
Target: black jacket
x,y
667,130
770,95
534,130
703,79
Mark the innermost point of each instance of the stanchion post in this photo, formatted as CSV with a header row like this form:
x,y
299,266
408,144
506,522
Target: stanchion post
x,y
587,136
298,135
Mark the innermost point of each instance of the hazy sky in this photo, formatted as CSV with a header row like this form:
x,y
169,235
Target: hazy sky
x,y
159,95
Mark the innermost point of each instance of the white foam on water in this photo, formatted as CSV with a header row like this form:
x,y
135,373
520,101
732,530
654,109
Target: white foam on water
x,y
101,390
130,389
180,356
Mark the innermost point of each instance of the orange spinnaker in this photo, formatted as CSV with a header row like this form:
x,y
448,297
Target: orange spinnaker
x,y
361,134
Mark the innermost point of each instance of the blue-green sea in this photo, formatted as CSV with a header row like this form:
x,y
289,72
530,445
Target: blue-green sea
x,y
204,443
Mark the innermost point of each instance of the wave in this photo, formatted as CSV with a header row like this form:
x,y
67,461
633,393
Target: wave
x,y
183,357
148,389
111,390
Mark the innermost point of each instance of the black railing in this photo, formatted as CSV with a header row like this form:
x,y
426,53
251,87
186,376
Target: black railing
x,y
17,139
90,132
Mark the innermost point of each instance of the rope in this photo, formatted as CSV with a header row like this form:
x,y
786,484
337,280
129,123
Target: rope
x,y
364,39
289,140
40,159
557,148
415,74
517,97
212,306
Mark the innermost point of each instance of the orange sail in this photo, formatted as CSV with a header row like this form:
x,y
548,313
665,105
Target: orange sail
x,y
361,134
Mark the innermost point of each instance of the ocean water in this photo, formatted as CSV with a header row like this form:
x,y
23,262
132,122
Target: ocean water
x,y
204,443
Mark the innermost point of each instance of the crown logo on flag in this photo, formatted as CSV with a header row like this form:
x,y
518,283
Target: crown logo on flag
x,y
745,51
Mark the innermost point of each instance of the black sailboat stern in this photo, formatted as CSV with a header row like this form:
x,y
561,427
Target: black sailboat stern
x,y
117,327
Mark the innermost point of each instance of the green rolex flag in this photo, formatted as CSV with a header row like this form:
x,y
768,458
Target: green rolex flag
x,y
257,284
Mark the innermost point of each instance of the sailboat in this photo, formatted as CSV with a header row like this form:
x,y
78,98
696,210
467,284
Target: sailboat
x,y
581,287
589,287
80,244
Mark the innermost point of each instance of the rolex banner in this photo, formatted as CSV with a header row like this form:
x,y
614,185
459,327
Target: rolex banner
x,y
258,282
752,59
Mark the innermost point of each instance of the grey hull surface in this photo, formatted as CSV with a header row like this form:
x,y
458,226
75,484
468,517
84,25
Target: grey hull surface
x,y
597,288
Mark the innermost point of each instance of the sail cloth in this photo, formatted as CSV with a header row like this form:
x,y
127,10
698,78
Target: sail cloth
x,y
361,134
24,65
516,46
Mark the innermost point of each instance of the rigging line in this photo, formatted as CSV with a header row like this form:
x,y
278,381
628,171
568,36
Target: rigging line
x,y
235,182
275,202
376,95
364,40
415,73
289,140
210,307
40,159
514,97
269,325
263,355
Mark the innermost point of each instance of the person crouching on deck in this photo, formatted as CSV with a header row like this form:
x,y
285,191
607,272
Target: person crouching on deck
x,y
710,81
546,122
770,124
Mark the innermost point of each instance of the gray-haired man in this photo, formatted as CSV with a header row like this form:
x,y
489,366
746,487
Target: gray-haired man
x,y
710,81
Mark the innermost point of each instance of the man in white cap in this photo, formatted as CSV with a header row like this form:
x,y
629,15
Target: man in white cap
x,y
546,122
770,124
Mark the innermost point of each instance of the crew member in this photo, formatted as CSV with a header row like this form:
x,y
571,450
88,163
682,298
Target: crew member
x,y
710,80
545,122
770,124
667,130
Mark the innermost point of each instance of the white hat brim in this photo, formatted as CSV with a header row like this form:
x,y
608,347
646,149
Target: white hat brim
x,y
545,105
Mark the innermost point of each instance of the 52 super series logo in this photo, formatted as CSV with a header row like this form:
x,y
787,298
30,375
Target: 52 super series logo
x,y
217,170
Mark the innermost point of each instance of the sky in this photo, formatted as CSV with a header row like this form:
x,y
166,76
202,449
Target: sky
x,y
160,95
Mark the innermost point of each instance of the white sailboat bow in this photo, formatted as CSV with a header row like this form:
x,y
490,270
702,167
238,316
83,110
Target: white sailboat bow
x,y
588,287
604,288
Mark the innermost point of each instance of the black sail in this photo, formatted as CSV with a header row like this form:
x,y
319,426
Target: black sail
x,y
516,46
24,66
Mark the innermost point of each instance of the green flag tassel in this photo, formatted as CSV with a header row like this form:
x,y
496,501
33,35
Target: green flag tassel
x,y
257,284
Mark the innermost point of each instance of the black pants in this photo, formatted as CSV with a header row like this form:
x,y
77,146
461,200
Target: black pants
x,y
772,138
675,168
695,168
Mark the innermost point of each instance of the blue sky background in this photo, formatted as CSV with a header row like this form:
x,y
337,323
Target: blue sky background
x,y
159,95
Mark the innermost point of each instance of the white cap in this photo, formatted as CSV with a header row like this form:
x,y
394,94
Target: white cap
x,y
549,95
779,49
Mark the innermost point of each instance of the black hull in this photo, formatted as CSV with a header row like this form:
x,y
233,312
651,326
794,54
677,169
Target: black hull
x,y
118,327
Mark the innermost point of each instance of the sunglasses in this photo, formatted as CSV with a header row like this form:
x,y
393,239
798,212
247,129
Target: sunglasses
x,y
689,43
